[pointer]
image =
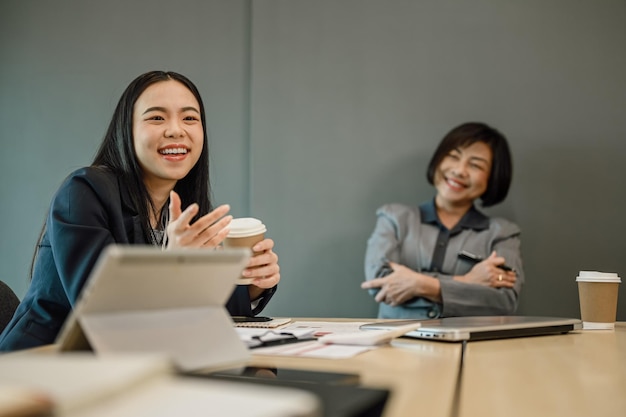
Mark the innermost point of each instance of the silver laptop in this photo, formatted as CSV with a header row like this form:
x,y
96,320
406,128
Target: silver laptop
x,y
140,298
458,329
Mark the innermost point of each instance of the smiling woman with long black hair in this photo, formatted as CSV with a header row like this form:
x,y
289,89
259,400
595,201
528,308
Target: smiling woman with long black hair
x,y
148,184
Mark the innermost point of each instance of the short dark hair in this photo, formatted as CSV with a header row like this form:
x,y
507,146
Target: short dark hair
x,y
502,164
117,150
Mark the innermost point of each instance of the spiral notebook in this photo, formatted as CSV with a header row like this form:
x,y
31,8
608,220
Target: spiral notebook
x,y
270,324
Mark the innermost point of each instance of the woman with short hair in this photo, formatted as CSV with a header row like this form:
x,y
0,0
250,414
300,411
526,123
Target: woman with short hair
x,y
412,264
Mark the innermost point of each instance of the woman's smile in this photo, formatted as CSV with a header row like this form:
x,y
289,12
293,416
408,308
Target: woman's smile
x,y
455,185
174,152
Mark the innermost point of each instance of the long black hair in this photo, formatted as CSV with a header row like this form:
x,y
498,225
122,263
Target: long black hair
x,y
117,151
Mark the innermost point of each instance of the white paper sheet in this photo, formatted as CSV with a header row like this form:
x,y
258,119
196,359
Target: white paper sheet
x,y
321,328
312,349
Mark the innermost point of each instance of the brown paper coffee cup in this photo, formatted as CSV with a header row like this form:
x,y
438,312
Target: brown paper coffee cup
x,y
597,293
245,232
244,242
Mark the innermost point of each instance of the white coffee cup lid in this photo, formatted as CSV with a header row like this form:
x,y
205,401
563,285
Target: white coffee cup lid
x,y
246,226
595,276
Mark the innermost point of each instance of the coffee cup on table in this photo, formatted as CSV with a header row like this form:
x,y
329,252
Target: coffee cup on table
x,y
597,293
245,232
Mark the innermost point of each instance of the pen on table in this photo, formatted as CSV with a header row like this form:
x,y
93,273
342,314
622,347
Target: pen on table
x,y
282,341
475,258
243,319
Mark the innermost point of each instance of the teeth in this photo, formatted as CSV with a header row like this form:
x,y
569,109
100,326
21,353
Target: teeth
x,y
173,151
455,184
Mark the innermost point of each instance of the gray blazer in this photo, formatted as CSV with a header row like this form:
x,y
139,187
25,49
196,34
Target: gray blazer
x,y
402,236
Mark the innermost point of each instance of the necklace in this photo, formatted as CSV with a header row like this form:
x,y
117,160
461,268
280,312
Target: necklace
x,y
158,236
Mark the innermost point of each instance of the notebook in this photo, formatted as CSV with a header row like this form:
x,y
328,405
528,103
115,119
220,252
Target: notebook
x,y
269,324
140,298
458,329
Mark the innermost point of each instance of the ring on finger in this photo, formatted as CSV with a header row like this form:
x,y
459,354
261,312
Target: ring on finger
x,y
500,277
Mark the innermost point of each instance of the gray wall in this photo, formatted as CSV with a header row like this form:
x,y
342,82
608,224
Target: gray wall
x,y
63,67
320,111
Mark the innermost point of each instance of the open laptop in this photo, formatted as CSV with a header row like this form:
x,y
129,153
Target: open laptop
x,y
458,329
140,298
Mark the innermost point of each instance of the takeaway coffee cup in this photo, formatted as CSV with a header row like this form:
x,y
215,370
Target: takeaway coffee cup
x,y
597,292
245,232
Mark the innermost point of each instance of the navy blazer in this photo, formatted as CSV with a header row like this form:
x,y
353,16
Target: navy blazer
x,y
91,209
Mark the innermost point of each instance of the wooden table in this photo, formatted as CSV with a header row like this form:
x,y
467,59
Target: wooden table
x,y
578,374
421,375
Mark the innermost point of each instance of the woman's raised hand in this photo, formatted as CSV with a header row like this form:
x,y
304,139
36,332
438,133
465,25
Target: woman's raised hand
x,y
206,232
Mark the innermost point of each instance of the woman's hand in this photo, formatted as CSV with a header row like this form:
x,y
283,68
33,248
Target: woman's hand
x,y
206,232
402,285
263,268
487,273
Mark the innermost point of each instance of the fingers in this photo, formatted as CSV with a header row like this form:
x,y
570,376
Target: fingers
x,y
263,254
174,206
214,220
208,231
500,277
200,236
503,279
496,260
263,267
261,260
267,281
386,295
184,219
264,245
373,283
394,265
381,296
